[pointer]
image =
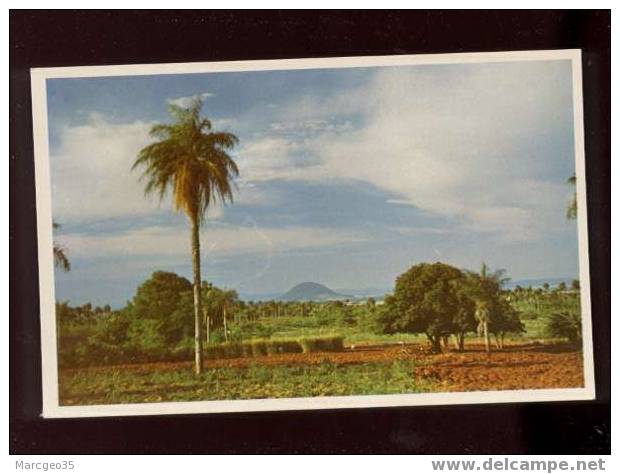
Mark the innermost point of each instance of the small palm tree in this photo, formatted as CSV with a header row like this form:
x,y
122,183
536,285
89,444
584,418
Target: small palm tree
x,y
571,211
60,257
192,161
484,288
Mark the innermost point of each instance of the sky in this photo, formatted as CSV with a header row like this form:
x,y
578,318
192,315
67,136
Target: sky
x,y
348,176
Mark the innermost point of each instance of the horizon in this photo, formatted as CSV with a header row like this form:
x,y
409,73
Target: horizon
x,y
347,176
347,292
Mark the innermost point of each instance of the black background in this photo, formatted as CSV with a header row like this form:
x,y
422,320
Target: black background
x,y
51,38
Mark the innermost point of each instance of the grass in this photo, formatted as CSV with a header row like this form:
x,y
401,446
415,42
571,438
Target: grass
x,y
297,327
107,386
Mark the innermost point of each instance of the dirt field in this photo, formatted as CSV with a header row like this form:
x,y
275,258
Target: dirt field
x,y
525,366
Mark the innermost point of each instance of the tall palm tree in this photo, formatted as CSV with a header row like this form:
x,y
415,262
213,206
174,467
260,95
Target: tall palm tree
x,y
571,211
192,161
60,257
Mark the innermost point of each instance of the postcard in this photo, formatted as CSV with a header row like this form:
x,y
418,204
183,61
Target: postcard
x,y
305,234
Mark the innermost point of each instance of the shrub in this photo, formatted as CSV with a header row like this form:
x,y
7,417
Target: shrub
x,y
565,325
283,346
88,351
259,348
322,344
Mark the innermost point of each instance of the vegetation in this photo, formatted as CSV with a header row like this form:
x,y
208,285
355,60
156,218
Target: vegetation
x,y
114,385
565,325
493,312
441,301
191,160
549,313
429,299
436,300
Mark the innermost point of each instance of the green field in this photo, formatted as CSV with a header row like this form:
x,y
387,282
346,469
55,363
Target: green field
x,y
116,385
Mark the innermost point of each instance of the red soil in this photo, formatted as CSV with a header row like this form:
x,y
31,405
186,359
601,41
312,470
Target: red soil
x,y
525,366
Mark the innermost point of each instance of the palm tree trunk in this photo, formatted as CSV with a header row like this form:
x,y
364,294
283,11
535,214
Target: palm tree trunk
x,y
197,296
208,330
487,341
225,327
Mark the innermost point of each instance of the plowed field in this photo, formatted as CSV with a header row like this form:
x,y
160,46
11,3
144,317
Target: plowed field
x,y
361,370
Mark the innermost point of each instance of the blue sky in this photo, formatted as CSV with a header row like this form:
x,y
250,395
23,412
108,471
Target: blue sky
x,y
347,176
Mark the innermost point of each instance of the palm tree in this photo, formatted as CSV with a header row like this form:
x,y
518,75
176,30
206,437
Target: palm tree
x,y
192,160
484,289
571,211
60,257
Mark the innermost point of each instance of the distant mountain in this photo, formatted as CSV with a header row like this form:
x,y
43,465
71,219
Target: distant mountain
x,y
310,291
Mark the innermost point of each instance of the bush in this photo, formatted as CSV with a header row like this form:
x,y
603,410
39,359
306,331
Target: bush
x,y
89,351
565,325
259,348
322,344
283,346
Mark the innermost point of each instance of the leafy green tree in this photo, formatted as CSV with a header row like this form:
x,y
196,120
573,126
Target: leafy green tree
x,y
575,286
158,299
504,319
562,286
464,319
428,299
192,160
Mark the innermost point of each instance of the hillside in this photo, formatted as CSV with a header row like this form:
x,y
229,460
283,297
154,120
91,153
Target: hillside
x,y
310,291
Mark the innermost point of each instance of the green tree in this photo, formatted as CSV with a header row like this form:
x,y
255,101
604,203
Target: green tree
x,y
428,299
158,299
192,161
504,319
464,319
575,286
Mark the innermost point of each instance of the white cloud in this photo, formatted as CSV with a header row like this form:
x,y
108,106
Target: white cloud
x,y
311,126
456,145
187,100
91,171
159,241
92,177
